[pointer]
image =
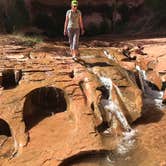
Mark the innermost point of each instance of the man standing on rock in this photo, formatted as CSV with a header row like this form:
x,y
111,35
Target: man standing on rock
x,y
72,26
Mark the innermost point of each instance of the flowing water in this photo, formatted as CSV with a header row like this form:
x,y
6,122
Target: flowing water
x,y
142,144
127,142
112,106
135,149
137,146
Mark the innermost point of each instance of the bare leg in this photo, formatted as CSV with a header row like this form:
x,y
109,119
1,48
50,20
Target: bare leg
x,y
75,53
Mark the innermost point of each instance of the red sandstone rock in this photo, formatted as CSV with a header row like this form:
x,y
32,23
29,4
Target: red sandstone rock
x,y
56,138
154,78
53,113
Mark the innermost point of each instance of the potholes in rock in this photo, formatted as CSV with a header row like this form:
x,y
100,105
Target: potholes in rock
x,y
41,103
71,74
4,128
6,141
11,78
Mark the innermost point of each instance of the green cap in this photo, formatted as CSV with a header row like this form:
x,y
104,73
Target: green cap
x,y
74,3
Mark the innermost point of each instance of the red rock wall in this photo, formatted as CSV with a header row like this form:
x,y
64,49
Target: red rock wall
x,y
93,2
109,16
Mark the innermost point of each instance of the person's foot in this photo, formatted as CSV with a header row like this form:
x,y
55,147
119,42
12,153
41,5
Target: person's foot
x,y
75,58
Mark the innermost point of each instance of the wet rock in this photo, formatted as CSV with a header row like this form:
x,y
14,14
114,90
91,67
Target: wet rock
x,y
126,52
125,88
0,78
164,97
152,75
131,106
131,53
155,79
55,110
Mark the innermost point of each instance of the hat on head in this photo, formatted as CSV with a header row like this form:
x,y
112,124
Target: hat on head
x,y
74,3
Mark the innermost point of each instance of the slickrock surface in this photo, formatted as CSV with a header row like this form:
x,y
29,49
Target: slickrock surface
x,y
50,110
50,104
151,126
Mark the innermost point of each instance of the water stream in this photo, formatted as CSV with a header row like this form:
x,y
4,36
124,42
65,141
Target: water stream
x,y
128,151
112,106
150,96
127,142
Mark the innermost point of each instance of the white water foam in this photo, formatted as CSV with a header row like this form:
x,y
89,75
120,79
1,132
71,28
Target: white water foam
x,y
127,142
142,77
115,110
109,56
142,72
107,82
151,96
110,105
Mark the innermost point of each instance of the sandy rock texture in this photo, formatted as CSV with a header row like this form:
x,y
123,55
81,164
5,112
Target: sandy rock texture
x,y
50,105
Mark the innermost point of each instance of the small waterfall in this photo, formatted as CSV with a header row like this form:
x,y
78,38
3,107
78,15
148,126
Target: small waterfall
x,y
151,96
107,82
112,106
109,56
127,142
115,110
122,154
142,77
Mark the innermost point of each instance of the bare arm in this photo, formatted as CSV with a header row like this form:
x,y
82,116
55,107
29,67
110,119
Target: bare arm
x,y
65,25
81,25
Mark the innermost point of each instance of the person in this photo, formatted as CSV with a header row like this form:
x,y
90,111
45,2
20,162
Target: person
x,y
72,26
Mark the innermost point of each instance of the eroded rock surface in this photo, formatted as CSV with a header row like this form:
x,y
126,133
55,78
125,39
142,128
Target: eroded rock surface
x,y
52,104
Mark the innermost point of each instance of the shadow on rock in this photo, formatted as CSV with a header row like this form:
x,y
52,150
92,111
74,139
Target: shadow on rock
x,y
151,114
91,157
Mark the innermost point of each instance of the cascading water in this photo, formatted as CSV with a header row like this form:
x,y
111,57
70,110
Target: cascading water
x,y
142,77
141,73
127,149
115,110
127,142
109,56
150,96
112,106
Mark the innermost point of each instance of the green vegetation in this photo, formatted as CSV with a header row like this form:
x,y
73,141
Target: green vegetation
x,y
26,40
